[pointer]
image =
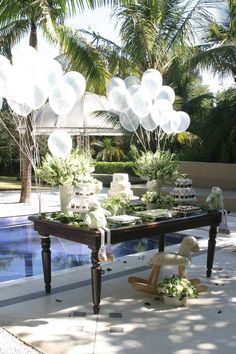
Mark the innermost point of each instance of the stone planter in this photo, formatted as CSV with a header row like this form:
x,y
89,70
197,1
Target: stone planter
x,y
175,301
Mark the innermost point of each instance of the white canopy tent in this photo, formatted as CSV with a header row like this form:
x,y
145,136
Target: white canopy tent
x,y
81,120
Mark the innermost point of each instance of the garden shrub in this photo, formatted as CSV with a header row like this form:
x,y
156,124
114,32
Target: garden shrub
x,y
114,167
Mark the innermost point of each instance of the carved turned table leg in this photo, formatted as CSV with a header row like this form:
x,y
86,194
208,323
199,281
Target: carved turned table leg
x,y
96,273
162,242
211,249
46,259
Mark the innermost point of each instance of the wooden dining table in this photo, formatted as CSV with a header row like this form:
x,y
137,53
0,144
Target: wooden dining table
x,y
92,238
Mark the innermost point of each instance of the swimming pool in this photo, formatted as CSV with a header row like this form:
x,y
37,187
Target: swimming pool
x,y
20,250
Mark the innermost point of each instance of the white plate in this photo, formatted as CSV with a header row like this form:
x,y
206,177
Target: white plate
x,y
155,213
123,219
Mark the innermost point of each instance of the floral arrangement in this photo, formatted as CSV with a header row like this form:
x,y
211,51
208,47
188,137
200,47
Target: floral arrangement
x,y
176,286
116,204
163,200
70,171
161,166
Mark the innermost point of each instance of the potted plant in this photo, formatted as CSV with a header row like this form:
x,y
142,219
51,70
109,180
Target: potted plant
x,y
175,290
159,167
66,173
157,199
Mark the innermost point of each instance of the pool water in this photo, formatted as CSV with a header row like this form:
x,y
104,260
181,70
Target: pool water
x,y
20,251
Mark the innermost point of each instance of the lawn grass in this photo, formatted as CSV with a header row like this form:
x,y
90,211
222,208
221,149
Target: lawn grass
x,y
12,183
9,183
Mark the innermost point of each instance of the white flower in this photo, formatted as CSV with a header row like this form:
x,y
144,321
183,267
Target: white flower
x,y
179,288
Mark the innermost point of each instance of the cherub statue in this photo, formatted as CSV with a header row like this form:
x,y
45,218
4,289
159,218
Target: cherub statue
x,y
215,199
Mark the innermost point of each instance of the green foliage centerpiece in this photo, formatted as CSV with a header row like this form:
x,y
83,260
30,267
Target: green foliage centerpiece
x,y
157,199
75,168
161,166
66,173
157,168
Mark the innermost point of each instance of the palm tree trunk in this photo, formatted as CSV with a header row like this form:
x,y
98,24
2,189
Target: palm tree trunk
x,y
25,196
26,184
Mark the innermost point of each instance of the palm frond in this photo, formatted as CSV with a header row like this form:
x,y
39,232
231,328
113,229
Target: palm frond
x,y
84,58
14,31
219,58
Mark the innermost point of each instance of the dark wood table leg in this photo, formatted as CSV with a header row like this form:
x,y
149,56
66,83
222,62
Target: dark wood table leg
x,y
162,242
211,249
96,273
46,259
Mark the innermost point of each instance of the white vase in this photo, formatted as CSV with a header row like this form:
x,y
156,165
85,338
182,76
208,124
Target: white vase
x,y
175,301
66,194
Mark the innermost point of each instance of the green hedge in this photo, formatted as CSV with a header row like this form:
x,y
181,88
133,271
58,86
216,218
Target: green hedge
x,y
114,167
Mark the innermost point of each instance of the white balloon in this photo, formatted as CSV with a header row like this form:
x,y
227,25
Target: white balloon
x,y
134,88
77,81
1,103
132,80
60,143
148,123
165,117
5,72
184,120
175,121
114,82
20,88
19,108
129,121
162,105
3,60
119,98
167,93
141,103
25,56
155,113
38,95
62,98
50,73
152,82
167,128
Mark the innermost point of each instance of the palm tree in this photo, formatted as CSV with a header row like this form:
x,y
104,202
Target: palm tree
x,y
108,150
156,34
19,17
219,54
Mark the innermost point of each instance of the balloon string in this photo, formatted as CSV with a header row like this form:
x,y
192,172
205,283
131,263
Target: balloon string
x,y
140,140
30,152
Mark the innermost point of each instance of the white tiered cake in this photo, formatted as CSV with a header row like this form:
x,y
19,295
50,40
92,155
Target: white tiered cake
x,y
183,191
120,185
84,197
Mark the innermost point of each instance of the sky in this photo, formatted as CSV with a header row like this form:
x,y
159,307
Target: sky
x,y
100,21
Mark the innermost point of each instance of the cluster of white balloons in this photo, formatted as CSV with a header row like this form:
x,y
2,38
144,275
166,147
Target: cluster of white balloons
x,y
31,80
146,102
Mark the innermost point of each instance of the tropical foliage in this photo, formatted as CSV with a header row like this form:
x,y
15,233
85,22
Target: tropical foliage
x,y
109,149
218,51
